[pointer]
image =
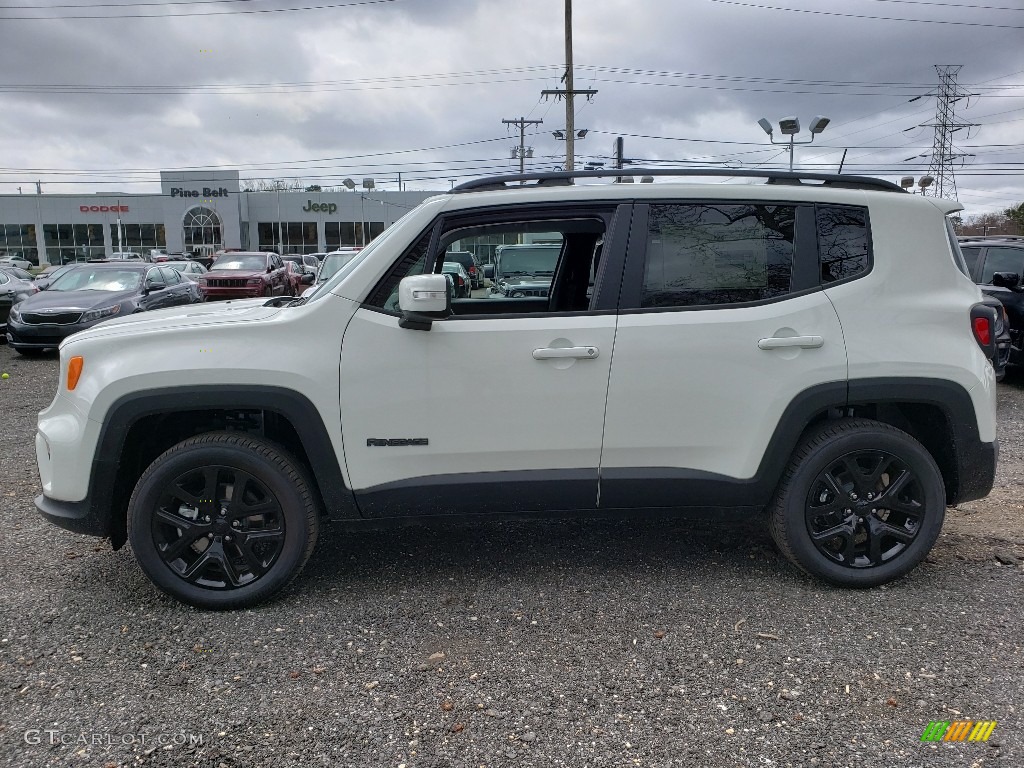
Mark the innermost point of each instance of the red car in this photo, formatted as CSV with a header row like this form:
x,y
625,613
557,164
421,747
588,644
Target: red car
x,y
298,278
244,275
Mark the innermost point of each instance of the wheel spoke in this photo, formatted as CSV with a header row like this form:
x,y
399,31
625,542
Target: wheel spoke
x,y
884,462
188,532
883,528
890,500
860,482
844,530
237,506
250,540
195,571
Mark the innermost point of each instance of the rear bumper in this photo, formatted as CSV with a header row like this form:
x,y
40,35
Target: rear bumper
x,y
976,470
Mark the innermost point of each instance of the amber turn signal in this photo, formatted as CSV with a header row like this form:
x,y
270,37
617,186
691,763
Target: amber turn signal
x,y
74,371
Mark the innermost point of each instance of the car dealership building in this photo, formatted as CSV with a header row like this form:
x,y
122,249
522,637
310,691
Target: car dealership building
x,y
195,212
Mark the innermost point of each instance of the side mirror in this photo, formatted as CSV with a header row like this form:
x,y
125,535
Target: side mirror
x,y
423,299
270,268
150,287
1005,279
307,279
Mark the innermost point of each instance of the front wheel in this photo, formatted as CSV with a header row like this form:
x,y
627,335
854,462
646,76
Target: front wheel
x,y
860,504
223,520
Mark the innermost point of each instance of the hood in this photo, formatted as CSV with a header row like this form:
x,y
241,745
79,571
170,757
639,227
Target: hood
x,y
73,301
237,274
526,280
187,316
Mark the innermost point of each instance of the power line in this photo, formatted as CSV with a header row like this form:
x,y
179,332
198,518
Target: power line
x,y
864,16
209,13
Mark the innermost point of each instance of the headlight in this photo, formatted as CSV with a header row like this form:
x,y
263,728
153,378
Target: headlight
x,y
255,281
99,314
15,313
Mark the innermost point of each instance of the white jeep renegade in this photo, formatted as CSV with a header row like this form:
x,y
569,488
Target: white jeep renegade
x,y
811,347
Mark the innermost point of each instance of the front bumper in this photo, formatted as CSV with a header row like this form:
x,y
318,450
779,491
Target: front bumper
x,y
83,517
41,336
214,294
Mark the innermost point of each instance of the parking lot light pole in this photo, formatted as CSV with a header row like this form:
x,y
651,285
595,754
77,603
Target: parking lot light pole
x,y
790,126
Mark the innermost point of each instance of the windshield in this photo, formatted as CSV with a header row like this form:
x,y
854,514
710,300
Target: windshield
x,y
254,263
332,263
86,279
528,261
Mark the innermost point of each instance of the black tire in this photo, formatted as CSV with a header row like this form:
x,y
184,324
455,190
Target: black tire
x,y
235,552
879,535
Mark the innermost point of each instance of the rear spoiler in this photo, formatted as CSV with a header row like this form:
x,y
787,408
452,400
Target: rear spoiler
x,y
946,206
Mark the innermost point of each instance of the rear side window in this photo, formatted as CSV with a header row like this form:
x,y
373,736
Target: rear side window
x,y
714,254
954,244
844,244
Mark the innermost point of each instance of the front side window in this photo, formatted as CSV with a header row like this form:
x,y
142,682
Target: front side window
x,y
714,254
971,255
1002,260
843,242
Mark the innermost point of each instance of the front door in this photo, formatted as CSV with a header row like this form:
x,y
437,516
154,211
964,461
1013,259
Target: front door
x,y
498,408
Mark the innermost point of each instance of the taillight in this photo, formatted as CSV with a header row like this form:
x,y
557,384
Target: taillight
x,y
983,331
983,323
472,270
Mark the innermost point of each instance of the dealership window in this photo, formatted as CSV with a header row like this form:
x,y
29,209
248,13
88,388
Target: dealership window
x,y
299,236
19,240
73,242
343,234
139,237
201,227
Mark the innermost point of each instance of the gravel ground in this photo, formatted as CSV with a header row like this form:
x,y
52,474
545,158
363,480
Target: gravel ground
x,y
658,643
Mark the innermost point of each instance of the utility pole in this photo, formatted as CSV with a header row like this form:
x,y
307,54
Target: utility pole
x,y
569,93
522,122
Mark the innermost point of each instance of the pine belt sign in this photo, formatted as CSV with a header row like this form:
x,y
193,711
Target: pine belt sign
x,y
206,192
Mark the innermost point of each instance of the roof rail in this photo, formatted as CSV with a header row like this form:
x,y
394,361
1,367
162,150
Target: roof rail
x,y
990,237
565,178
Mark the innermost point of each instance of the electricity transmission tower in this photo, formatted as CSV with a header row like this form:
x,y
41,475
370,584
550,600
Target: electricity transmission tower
x,y
945,155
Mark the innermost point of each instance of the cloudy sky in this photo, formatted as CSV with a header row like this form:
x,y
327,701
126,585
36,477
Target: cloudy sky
x,y
102,94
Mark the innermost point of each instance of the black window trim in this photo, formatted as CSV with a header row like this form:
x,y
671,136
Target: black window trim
x,y
808,273
605,299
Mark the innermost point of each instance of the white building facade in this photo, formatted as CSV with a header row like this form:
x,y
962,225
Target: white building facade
x,y
195,212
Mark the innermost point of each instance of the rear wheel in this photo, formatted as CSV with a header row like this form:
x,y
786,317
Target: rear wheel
x,y
223,520
860,504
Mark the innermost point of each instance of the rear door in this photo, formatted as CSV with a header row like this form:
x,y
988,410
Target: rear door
x,y
723,326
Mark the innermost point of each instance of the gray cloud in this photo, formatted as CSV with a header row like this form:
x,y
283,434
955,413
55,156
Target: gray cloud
x,y
401,43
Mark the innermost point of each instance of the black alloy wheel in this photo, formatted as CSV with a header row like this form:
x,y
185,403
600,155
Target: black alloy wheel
x,y
861,504
864,509
223,520
218,527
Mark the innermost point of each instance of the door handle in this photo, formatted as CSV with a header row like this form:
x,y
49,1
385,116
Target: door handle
x,y
553,353
805,342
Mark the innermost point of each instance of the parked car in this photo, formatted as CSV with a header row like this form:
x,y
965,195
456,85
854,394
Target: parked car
x,y
15,285
331,263
126,256
526,270
470,264
190,270
51,273
1001,337
997,265
837,384
16,261
90,294
245,274
306,262
298,278
461,281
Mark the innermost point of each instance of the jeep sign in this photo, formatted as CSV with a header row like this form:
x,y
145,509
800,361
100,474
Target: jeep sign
x,y
324,207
